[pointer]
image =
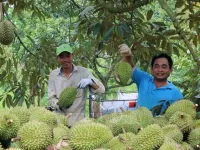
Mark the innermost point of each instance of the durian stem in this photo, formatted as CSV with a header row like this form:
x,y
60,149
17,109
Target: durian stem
x,y
68,115
195,106
59,144
9,121
123,130
1,11
16,139
122,109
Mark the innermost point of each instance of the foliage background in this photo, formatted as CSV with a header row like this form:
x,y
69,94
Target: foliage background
x,y
95,28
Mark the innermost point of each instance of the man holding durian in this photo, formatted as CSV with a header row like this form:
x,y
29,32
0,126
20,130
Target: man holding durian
x,y
68,86
154,91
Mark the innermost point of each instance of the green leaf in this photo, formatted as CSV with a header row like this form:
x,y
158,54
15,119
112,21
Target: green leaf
x,y
170,32
120,31
179,3
9,99
126,28
42,72
96,29
86,11
108,33
149,14
176,51
169,48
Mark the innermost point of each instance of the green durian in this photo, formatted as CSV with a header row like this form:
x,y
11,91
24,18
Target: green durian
x,y
67,97
7,33
123,73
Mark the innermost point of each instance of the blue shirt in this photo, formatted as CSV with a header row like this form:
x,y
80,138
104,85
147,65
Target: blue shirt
x,y
149,96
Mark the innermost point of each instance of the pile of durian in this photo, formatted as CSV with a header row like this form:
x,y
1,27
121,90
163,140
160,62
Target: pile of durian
x,y
37,128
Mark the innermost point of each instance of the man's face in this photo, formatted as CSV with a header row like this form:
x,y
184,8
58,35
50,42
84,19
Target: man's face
x,y
161,70
65,59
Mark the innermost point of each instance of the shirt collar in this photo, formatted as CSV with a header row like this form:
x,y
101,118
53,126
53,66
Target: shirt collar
x,y
75,68
168,86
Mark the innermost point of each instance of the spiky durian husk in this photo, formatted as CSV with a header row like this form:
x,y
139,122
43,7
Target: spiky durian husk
x,y
196,123
194,138
123,73
67,97
22,113
35,135
186,146
143,116
183,120
172,131
123,122
59,132
120,142
88,136
160,120
61,119
43,115
9,125
169,146
6,32
107,117
184,105
149,138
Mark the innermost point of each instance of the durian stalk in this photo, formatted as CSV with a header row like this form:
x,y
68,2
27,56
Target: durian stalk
x,y
122,109
58,146
18,138
9,121
198,146
68,115
195,106
123,130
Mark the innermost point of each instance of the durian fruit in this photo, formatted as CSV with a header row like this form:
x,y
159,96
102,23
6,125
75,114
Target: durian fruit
x,y
123,73
120,142
9,125
83,121
61,119
196,123
22,113
35,135
149,138
67,97
43,115
186,146
183,120
104,118
170,144
59,132
172,131
6,32
123,123
88,136
184,105
194,138
142,115
160,120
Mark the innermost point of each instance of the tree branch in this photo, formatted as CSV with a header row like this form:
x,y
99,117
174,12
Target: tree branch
x,y
122,9
169,11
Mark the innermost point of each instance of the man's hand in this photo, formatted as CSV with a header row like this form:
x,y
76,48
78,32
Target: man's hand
x,y
84,82
124,50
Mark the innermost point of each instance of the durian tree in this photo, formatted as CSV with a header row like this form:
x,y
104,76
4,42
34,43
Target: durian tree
x,y
95,29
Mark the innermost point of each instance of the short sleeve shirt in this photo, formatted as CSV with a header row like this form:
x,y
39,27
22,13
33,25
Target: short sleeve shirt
x,y
148,95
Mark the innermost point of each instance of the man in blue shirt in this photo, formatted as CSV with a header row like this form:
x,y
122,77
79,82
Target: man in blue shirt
x,y
153,90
